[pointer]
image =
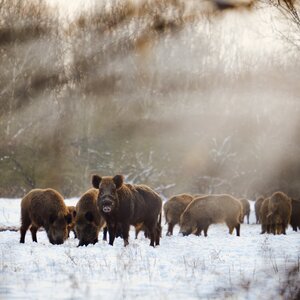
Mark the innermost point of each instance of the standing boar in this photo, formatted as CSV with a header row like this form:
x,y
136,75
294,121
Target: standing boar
x,y
124,204
71,226
174,207
279,212
257,207
211,209
295,216
88,220
246,209
45,208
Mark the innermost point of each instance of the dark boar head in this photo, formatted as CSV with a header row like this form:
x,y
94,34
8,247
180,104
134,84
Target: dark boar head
x,y
87,229
108,197
57,230
187,226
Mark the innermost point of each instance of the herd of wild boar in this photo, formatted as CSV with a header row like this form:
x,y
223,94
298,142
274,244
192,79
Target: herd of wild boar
x,y
113,205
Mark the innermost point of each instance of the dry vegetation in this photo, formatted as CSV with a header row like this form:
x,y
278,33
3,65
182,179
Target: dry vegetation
x,y
164,92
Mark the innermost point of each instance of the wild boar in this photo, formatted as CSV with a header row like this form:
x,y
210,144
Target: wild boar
x,y
257,207
173,208
123,204
279,212
246,209
45,208
211,209
88,220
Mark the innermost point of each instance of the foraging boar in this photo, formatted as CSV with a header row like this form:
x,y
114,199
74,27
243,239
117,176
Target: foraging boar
x,y
279,212
257,207
88,220
263,216
211,209
71,226
124,204
174,207
295,216
246,209
45,208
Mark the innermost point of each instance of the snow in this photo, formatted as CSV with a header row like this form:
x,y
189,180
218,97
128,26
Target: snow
x,y
217,267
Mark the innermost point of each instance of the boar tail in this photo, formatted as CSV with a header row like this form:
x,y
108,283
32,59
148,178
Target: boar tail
x,y
159,219
241,218
166,216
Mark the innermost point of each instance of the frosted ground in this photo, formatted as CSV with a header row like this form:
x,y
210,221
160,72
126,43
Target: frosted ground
x,y
220,266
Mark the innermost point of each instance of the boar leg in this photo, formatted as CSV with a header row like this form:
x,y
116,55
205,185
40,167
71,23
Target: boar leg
x,y
75,235
263,229
33,230
105,233
25,225
125,233
283,229
152,230
205,230
248,215
157,237
230,226
237,229
112,233
198,231
170,229
152,238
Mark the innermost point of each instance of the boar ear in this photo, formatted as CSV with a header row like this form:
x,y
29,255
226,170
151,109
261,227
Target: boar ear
x,y
89,216
96,179
52,218
68,218
118,181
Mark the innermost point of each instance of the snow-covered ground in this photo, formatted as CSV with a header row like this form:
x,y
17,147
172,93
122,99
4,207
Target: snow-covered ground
x,y
220,266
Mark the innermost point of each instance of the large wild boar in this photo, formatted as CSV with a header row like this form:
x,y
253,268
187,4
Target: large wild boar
x,y
124,204
71,226
257,207
174,207
246,209
295,216
211,209
45,208
279,212
88,220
